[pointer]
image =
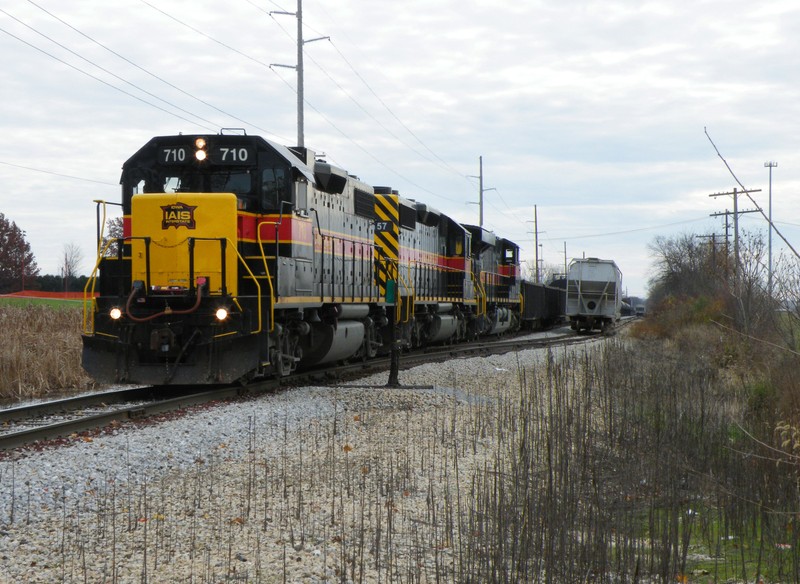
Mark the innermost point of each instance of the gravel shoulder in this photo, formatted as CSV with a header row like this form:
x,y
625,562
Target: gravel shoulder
x,y
317,484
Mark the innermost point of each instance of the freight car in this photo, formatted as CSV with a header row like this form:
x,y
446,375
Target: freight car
x,y
543,305
243,258
594,294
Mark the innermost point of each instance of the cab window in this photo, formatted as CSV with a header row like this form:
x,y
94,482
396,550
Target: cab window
x,y
273,187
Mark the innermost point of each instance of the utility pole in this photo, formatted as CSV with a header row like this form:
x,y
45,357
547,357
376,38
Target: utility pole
x,y
300,89
299,68
713,238
536,244
736,214
536,240
770,165
481,190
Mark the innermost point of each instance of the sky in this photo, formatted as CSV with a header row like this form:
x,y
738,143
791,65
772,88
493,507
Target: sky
x,y
600,114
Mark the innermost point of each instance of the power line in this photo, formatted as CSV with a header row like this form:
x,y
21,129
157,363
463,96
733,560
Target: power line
x,y
79,70
760,210
371,155
391,112
649,228
161,79
103,69
205,35
443,164
100,182
249,57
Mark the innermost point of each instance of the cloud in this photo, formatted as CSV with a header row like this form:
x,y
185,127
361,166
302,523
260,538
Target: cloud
x,y
592,111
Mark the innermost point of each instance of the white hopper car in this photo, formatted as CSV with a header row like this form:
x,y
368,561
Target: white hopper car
x,y
594,294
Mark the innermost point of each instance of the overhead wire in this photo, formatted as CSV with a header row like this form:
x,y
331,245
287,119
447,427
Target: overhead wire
x,y
365,111
150,73
746,192
306,102
444,164
627,231
227,46
103,69
212,125
370,153
100,182
383,103
104,82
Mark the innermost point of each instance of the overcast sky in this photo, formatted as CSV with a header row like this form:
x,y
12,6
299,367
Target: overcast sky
x,y
594,111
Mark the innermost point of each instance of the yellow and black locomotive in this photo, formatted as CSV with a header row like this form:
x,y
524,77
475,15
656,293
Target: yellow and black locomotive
x,y
242,258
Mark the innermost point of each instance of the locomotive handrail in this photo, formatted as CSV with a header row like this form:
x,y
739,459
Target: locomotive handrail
x,y
258,289
101,225
89,289
224,242
400,303
481,300
266,272
408,283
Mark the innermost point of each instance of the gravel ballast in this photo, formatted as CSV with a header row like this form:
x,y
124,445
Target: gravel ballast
x,y
318,484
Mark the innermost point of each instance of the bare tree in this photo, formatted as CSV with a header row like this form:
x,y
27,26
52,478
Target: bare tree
x,y
755,306
686,267
73,256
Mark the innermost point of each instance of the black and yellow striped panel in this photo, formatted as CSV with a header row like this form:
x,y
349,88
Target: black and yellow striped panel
x,y
387,240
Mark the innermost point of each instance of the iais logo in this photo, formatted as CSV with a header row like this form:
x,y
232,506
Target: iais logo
x,y
178,215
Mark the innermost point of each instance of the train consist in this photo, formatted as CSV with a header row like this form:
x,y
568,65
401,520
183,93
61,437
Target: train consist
x,y
594,294
243,258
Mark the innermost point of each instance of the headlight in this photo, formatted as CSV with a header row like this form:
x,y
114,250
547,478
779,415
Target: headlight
x,y
200,144
222,314
115,313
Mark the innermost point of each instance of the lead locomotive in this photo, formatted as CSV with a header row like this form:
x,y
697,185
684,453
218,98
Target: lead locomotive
x,y
243,258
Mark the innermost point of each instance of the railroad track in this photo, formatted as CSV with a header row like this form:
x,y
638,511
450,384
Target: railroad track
x,y
62,419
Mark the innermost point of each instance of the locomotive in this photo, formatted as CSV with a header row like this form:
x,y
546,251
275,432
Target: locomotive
x,y
241,258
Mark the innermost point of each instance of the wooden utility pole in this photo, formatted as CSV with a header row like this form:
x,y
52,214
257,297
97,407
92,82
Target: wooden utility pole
x,y
713,238
736,214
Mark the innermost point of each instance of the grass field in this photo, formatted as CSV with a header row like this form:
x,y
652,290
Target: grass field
x,y
23,301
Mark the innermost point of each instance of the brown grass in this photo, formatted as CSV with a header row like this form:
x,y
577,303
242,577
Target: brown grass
x,y
40,351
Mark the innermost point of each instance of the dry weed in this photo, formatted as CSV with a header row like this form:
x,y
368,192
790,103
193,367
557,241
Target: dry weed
x,y
40,351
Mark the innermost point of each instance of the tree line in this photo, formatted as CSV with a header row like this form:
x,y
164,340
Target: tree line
x,y
19,270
